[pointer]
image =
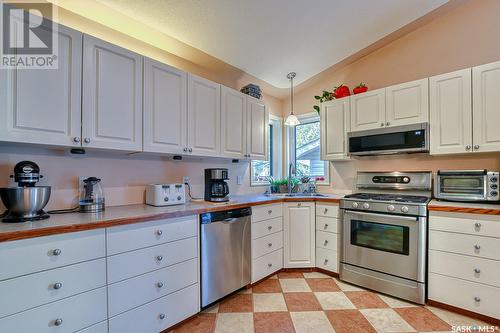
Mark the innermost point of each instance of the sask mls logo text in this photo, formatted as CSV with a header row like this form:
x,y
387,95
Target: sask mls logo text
x,y
29,38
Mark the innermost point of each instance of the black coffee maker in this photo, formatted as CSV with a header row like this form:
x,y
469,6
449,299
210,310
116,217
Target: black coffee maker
x,y
216,188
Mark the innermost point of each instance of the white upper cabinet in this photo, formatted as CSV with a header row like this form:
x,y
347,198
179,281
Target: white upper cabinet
x,y
368,110
335,123
233,123
486,106
43,105
165,108
112,96
407,103
203,116
257,129
299,234
451,113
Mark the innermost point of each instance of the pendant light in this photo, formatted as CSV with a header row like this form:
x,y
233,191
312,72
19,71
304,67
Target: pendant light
x,y
292,119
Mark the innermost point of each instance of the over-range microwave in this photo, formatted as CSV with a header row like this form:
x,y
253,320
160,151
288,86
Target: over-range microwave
x,y
390,140
466,185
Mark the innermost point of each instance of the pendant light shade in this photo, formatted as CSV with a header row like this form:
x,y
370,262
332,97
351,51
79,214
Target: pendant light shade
x,y
292,119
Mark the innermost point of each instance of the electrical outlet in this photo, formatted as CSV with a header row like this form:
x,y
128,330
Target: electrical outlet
x,y
239,180
185,179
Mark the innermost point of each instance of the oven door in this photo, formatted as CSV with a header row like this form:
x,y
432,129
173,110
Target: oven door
x,y
464,186
390,244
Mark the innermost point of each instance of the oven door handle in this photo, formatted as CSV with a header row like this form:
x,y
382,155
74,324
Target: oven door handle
x,y
392,217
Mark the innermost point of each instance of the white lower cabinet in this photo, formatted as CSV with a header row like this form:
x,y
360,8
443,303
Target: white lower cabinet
x,y
327,260
158,315
327,237
299,234
267,265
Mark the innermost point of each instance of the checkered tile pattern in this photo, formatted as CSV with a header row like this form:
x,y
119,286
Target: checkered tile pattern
x,y
314,302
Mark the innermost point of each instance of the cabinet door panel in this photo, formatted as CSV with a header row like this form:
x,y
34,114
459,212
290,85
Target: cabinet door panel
x,y
233,123
44,106
112,96
368,110
335,123
407,103
486,107
165,108
451,112
258,123
299,235
203,116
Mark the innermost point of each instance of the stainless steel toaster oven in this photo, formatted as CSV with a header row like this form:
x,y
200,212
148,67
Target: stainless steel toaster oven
x,y
466,185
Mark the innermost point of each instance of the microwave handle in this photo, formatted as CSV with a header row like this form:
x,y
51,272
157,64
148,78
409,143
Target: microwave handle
x,y
462,172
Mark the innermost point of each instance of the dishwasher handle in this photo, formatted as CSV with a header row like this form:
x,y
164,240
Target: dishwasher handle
x,y
227,216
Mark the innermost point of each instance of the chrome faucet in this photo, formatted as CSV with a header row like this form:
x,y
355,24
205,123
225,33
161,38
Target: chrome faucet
x,y
291,170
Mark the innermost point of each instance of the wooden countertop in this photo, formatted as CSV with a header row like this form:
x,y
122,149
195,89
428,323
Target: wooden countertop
x,y
121,215
464,207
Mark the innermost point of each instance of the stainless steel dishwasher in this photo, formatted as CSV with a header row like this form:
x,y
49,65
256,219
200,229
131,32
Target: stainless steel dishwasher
x,y
225,253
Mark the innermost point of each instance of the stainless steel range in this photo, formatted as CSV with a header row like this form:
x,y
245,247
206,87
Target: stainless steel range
x,y
384,231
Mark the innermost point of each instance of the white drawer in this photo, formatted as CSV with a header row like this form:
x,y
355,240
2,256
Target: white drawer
x,y
267,265
147,318
29,291
126,265
465,244
267,244
267,227
266,212
76,313
128,294
37,254
136,236
474,224
464,294
327,259
326,240
328,224
101,327
327,210
464,267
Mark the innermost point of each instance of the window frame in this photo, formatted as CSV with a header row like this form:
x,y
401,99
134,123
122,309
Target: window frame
x,y
276,162
290,156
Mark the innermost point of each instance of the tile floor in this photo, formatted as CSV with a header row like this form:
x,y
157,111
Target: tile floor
x,y
314,302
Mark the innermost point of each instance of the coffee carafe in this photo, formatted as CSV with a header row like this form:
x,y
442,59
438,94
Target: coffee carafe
x,y
216,188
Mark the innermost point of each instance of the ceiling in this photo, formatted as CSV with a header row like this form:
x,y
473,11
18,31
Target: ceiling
x,y
269,38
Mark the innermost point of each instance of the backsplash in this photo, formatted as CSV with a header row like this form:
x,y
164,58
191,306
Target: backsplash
x,y
123,176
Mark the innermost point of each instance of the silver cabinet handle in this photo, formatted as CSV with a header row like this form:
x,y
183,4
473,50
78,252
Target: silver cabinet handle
x,y
57,285
162,316
76,139
299,204
56,252
269,211
58,322
381,124
468,147
270,227
326,242
159,284
326,226
185,149
326,261
159,232
477,247
190,150
477,299
326,211
387,123
270,244
86,140
269,265
477,270
476,147
159,258
477,225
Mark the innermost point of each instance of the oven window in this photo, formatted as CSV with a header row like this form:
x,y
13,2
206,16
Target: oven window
x,y
462,185
379,236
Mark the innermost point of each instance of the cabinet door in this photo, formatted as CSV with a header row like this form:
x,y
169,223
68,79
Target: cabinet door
x,y
407,103
257,129
368,110
165,108
44,105
486,107
335,123
451,112
112,96
299,235
233,123
203,116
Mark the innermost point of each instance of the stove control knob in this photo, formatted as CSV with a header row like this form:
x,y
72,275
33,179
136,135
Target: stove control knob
x,y
494,186
493,179
391,208
406,179
404,209
355,205
366,205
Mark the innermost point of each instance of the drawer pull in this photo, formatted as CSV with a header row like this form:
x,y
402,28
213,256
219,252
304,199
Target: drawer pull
x,y
477,225
57,285
159,258
159,232
477,270
270,227
477,299
477,247
299,204
270,211
162,316
326,261
159,284
270,244
326,211
56,252
269,265
326,226
326,241
58,322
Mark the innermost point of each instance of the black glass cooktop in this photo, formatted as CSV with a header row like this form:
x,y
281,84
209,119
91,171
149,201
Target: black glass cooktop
x,y
389,197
